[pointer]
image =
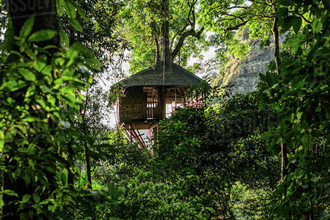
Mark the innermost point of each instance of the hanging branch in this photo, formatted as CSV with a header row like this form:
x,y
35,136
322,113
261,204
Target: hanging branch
x,y
191,19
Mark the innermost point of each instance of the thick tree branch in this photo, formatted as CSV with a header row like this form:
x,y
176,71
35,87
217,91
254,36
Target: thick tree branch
x,y
186,34
236,26
301,16
305,19
191,13
178,33
237,7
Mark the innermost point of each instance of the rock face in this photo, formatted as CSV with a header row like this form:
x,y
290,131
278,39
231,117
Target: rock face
x,y
244,74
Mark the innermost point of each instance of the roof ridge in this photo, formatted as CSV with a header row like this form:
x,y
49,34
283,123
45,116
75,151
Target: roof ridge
x,y
177,76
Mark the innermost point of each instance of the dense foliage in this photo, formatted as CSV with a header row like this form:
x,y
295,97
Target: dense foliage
x,y
262,155
35,90
93,23
300,94
141,25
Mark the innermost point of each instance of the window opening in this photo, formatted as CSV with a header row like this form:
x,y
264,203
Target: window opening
x,y
152,102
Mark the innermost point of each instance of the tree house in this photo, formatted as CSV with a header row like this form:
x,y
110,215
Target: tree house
x,y
151,95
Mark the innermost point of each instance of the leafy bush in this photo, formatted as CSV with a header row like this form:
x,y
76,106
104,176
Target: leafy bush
x,y
35,131
220,145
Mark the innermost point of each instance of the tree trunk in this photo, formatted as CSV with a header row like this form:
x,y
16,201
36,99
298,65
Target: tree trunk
x,y
88,166
276,40
284,158
284,161
166,53
87,156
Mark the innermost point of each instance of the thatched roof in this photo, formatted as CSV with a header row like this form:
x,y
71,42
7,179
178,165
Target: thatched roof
x,y
174,75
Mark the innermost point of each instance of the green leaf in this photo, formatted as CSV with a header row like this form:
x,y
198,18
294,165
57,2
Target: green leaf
x,y
49,47
2,140
262,77
26,29
287,23
90,79
44,202
64,176
41,102
64,39
40,63
69,9
59,7
42,35
75,24
26,198
36,197
27,74
52,100
266,136
58,82
29,119
9,193
81,12
73,52
30,53
93,63
68,89
47,70
299,114
316,25
76,47
297,24
297,41
32,163
305,140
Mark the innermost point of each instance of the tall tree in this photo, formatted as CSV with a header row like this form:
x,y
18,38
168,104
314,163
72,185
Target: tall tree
x,y
146,24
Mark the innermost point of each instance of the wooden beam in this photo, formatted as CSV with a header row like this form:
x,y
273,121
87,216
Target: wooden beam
x,y
140,125
163,96
141,140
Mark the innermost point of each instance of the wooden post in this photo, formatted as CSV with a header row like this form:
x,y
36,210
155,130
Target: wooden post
x,y
163,96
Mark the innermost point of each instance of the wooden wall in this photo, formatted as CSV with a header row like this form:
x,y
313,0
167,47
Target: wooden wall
x,y
132,106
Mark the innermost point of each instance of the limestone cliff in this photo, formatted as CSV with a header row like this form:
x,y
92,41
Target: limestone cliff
x,y
243,74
